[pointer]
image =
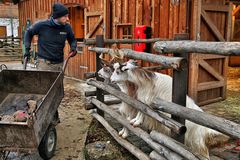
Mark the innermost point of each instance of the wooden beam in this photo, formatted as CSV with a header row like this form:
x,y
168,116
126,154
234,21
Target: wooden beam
x,y
236,10
92,14
99,92
210,70
155,156
88,75
92,41
220,124
219,48
162,150
95,27
210,85
131,148
210,101
212,26
216,8
229,22
175,126
166,61
173,145
85,23
89,105
93,93
179,90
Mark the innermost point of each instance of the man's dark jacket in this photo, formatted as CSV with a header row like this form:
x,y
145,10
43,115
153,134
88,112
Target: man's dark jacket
x,y
51,39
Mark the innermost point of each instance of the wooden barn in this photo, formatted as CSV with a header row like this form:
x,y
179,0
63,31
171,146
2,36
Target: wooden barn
x,y
205,20
8,19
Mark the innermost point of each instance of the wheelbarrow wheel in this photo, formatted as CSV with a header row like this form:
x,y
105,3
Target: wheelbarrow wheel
x,y
48,144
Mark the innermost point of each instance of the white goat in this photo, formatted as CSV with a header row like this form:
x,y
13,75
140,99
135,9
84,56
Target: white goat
x,y
127,87
153,85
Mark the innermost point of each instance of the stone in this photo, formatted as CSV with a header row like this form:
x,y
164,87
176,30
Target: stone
x,y
101,150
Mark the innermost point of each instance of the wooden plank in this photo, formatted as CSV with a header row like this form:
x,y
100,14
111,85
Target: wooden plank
x,y
229,22
225,71
193,73
171,20
132,12
125,11
164,19
212,26
94,29
139,12
182,17
94,13
236,10
147,12
210,85
210,101
155,17
99,92
114,19
211,70
217,8
119,11
85,23
106,19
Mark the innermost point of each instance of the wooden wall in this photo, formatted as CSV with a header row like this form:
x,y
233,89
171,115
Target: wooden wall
x,y
8,10
165,18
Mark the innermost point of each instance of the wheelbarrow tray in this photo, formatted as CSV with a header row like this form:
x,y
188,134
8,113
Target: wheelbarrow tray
x,y
46,87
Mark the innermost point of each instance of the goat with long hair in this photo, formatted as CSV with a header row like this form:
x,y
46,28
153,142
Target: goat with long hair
x,y
152,85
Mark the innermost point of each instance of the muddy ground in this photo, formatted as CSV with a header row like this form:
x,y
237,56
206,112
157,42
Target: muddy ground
x,y
75,121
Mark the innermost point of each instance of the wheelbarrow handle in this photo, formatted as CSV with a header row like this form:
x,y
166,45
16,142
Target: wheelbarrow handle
x,y
66,62
25,63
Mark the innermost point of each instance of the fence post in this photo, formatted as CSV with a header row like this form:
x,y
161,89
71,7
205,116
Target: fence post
x,y
99,93
180,85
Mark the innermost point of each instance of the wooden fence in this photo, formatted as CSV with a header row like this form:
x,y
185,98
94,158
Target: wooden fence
x,y
163,147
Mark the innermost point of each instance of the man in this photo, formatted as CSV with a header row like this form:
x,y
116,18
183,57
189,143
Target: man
x,y
52,34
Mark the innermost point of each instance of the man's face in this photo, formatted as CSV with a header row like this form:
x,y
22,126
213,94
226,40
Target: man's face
x,y
63,20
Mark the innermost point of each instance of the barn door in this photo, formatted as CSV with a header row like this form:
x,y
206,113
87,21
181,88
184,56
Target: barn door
x,y
207,73
76,18
97,21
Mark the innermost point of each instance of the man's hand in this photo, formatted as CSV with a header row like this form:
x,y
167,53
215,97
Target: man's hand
x,y
72,53
27,54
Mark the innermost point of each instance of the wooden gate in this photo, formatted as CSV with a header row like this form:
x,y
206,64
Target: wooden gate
x,y
207,73
97,22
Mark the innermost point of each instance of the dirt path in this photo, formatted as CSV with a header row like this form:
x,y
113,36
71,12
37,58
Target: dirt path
x,y
74,123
